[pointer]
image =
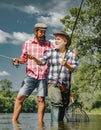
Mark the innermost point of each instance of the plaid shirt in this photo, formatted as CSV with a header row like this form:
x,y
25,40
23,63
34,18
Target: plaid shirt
x,y
54,63
37,50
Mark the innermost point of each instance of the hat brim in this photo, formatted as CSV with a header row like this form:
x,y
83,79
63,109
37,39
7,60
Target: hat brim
x,y
61,33
39,28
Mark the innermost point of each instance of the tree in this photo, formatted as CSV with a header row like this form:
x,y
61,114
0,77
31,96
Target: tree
x,y
5,84
87,39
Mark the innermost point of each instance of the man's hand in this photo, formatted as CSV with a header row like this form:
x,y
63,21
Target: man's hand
x,y
67,65
15,62
63,62
29,56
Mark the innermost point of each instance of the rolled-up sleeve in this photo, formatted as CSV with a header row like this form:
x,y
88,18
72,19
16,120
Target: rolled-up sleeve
x,y
45,56
24,50
73,60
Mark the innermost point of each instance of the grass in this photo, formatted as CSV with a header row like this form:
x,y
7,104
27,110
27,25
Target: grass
x,y
95,111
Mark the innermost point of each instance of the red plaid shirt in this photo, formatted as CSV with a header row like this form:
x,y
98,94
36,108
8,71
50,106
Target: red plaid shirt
x,y
37,50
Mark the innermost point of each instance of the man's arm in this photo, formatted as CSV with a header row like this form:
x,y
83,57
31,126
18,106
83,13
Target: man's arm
x,y
39,62
67,65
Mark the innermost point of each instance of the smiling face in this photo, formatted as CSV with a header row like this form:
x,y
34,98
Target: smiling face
x,y
60,41
40,35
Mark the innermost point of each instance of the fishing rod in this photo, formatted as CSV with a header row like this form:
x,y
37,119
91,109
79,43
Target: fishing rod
x,y
11,59
75,23
77,18
7,57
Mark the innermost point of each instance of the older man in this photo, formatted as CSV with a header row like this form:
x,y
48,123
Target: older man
x,y
61,62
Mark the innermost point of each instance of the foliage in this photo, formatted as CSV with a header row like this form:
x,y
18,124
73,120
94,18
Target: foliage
x,y
5,84
48,105
30,105
97,101
87,39
7,99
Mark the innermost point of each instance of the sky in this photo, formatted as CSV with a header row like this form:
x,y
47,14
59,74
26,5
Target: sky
x,y
17,19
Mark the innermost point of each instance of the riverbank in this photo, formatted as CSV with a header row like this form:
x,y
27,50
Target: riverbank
x,y
96,111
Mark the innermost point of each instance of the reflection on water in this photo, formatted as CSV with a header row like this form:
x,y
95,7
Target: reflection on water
x,y
29,122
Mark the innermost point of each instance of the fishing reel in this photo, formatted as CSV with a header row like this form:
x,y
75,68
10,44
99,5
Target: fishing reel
x,y
15,62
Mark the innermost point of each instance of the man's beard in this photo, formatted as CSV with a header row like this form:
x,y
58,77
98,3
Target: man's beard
x,y
59,45
41,39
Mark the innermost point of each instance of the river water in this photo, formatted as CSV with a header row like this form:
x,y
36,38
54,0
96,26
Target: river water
x,y
29,122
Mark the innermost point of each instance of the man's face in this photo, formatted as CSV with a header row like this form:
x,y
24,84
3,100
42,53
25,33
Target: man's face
x,y
40,35
60,41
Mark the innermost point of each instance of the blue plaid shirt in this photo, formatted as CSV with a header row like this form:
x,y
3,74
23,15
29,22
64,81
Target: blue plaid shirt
x,y
54,60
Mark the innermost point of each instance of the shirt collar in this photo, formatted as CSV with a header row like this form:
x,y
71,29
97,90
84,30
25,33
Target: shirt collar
x,y
33,42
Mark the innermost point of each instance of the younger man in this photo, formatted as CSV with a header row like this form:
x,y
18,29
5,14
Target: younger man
x,y
35,74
